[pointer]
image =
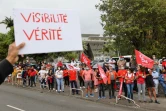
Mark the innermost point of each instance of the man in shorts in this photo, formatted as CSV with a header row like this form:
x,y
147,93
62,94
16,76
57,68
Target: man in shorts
x,y
87,76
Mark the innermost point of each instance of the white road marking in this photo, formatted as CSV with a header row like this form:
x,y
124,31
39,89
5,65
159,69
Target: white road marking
x,y
15,108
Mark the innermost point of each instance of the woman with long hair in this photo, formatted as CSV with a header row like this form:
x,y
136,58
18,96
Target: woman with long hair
x,y
100,85
140,76
129,79
59,78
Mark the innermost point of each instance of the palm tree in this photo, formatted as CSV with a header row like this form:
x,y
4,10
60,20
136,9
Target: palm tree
x,y
8,22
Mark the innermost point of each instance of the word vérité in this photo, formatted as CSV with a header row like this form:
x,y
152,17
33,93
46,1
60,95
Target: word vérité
x,y
44,34
45,17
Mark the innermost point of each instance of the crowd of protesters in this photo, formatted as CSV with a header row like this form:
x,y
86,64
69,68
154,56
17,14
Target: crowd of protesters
x,y
134,78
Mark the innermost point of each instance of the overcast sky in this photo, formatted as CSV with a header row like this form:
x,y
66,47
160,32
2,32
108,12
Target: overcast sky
x,y
89,15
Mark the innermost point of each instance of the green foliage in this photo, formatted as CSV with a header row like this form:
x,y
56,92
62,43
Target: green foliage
x,y
70,55
5,41
136,24
8,22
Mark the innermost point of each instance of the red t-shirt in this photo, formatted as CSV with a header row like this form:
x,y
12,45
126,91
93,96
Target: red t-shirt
x,y
29,72
164,63
65,73
100,81
122,72
72,75
33,73
81,72
87,75
140,79
49,78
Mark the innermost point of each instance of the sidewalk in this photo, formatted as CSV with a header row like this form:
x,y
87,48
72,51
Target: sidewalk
x,y
121,103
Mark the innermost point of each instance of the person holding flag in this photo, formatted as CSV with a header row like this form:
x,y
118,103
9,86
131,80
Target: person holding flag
x,y
121,75
102,79
100,84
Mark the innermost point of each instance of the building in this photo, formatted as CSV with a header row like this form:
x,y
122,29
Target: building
x,y
95,43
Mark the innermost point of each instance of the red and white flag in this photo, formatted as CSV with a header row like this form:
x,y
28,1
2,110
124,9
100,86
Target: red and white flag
x,y
143,60
102,73
85,60
70,67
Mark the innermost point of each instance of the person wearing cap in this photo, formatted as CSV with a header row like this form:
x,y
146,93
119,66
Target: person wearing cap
x,y
6,65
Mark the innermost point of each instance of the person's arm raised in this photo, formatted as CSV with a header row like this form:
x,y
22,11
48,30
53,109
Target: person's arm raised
x,y
6,67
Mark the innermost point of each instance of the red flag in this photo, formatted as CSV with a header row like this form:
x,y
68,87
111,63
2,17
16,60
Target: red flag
x,y
143,60
85,60
102,73
120,89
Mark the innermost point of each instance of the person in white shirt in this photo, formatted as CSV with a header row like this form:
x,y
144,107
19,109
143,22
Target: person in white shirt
x,y
42,77
73,62
155,75
59,78
112,62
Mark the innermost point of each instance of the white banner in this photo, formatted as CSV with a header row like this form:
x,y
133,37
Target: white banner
x,y
47,30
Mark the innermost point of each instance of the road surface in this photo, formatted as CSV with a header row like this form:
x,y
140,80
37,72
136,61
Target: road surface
x,y
19,99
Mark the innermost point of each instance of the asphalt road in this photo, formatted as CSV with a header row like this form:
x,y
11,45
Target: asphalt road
x,y
18,99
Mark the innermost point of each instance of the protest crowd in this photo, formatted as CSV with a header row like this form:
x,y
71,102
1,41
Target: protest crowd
x,y
95,78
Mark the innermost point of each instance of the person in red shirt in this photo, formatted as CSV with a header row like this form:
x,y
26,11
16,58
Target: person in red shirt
x,y
29,77
66,76
121,75
81,77
140,76
72,77
87,76
129,79
32,76
49,81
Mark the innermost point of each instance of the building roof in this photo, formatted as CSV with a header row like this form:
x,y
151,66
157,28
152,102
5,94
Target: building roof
x,y
90,35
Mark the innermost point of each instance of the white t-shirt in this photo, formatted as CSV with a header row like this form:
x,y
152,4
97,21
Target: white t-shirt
x,y
130,75
59,74
155,74
43,73
112,63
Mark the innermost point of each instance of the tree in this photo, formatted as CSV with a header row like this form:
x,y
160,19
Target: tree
x,y
8,22
136,24
71,55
